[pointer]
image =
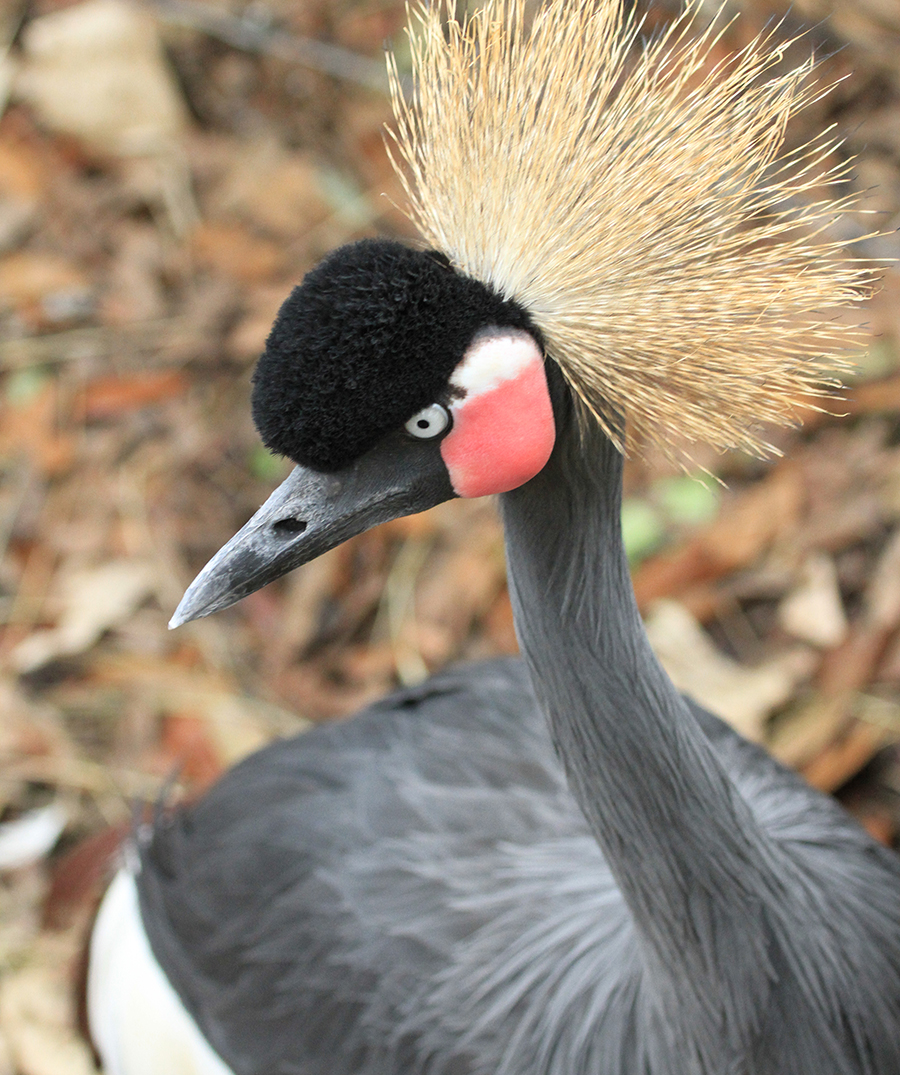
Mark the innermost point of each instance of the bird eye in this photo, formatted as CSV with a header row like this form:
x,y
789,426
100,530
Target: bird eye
x,y
429,422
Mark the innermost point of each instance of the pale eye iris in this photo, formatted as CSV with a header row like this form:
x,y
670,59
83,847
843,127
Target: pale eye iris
x,y
429,422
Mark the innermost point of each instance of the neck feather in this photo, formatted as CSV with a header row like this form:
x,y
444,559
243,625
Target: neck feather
x,y
691,862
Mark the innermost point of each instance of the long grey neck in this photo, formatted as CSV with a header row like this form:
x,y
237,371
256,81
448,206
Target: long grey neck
x,y
694,868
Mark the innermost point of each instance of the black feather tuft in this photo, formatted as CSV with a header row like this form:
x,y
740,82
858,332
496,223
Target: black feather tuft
x,y
369,337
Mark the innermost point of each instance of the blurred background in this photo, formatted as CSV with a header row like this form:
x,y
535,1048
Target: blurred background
x,y
168,171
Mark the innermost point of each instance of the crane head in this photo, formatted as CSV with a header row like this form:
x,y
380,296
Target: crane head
x,y
394,383
613,213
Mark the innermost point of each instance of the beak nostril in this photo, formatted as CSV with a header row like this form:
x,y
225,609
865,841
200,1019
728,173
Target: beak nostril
x,y
289,525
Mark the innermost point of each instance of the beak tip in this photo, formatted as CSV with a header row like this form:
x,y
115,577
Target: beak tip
x,y
181,615
203,597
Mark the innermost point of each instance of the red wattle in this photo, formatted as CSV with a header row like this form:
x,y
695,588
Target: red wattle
x,y
501,438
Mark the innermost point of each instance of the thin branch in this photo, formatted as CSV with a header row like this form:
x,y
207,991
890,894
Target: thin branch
x,y
253,35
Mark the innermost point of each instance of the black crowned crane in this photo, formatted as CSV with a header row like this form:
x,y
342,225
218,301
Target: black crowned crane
x,y
557,866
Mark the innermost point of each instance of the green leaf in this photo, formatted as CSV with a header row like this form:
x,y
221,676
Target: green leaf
x,y
23,385
642,529
688,500
266,466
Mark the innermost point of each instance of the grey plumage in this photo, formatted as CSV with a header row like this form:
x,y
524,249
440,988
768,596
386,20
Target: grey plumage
x,y
418,890
469,921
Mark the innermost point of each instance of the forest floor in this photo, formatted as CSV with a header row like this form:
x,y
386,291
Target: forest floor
x,y
168,171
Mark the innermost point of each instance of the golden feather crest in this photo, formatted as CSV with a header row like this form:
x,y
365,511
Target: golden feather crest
x,y
635,197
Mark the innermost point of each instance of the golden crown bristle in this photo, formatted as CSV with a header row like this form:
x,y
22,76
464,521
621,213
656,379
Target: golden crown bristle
x,y
635,197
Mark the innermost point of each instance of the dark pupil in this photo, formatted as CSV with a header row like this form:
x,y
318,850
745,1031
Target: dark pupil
x,y
423,423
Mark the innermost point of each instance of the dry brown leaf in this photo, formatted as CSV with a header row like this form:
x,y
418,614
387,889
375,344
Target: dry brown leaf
x,y
457,587
189,749
422,525
876,397
844,758
29,277
882,599
499,625
134,289
92,601
872,25
237,725
78,876
745,697
96,70
23,175
37,1021
300,615
6,1062
31,429
108,397
22,183
744,529
813,610
808,728
878,823
248,337
233,250
850,666
888,669
277,190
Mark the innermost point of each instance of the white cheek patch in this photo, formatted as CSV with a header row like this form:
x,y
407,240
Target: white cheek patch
x,y
493,358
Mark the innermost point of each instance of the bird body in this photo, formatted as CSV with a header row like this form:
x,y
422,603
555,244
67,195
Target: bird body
x,y
558,866
405,905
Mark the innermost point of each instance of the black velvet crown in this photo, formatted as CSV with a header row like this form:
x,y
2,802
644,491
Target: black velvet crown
x,y
369,337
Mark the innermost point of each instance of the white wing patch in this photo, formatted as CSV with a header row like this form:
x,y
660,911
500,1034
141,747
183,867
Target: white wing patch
x,y
494,357
138,1023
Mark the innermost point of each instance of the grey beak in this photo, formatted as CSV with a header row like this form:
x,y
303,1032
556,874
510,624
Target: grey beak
x,y
312,512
